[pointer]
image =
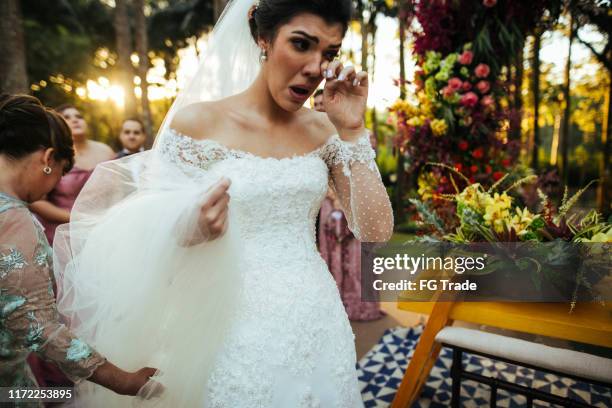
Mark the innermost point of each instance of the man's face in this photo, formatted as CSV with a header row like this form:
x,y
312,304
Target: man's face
x,y
318,103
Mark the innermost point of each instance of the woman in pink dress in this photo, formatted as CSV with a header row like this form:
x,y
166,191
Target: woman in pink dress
x,y
342,253
55,208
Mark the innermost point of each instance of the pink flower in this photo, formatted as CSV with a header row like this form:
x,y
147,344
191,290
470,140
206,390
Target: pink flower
x,y
487,101
447,91
455,83
469,99
466,86
489,3
483,86
482,70
466,58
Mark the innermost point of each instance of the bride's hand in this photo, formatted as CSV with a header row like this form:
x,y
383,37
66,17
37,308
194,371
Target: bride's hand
x,y
212,220
344,96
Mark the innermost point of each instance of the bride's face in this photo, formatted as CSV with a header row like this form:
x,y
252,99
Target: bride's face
x,y
293,67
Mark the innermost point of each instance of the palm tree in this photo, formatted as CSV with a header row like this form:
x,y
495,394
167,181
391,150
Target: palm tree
x,y
140,29
535,89
123,37
565,128
13,74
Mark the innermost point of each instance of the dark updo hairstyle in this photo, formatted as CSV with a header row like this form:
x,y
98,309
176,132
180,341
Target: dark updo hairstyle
x,y
27,126
269,15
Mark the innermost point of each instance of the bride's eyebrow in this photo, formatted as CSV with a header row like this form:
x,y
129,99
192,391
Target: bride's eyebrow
x,y
313,38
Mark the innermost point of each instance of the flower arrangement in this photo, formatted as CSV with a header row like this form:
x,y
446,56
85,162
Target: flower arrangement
x,y
457,117
491,215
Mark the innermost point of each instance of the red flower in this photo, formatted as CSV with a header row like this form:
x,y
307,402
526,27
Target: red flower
x,y
466,58
482,70
483,86
489,3
478,153
487,101
463,145
447,91
488,169
466,86
469,99
459,167
506,162
497,175
455,83
474,168
472,180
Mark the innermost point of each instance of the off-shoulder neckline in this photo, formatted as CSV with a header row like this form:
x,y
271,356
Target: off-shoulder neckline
x,y
243,153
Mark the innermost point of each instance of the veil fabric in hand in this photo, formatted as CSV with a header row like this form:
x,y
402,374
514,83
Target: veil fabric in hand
x,y
123,261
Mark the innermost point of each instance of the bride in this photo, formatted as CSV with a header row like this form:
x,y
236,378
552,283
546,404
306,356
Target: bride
x,y
199,257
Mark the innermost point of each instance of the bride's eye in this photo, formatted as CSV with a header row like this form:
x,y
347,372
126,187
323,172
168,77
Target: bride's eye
x,y
300,44
331,55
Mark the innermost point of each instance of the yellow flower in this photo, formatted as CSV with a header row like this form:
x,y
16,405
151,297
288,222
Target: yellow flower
x,y
521,220
601,237
497,211
415,121
438,127
473,197
425,182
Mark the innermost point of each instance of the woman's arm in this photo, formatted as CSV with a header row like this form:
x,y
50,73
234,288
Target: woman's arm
x,y
32,317
350,157
50,211
356,180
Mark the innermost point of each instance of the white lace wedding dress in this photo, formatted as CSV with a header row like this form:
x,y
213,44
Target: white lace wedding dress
x,y
288,342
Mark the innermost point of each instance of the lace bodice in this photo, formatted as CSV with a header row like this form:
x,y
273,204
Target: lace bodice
x,y
349,168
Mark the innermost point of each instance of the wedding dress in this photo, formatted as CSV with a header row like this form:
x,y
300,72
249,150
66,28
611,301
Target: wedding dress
x,y
251,319
139,297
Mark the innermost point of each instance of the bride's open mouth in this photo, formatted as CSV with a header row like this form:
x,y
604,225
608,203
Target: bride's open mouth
x,y
300,93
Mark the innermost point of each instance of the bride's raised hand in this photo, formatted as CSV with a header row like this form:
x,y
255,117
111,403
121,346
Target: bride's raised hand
x,y
344,96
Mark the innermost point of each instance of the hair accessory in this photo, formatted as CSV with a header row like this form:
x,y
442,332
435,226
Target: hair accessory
x,y
47,170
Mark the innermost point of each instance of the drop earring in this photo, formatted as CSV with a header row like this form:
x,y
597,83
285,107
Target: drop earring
x,y
263,57
47,170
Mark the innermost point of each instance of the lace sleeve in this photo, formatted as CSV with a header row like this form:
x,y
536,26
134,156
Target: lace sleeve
x,y
357,182
28,311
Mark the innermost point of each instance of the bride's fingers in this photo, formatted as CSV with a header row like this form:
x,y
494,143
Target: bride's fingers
x,y
361,79
347,73
332,69
215,193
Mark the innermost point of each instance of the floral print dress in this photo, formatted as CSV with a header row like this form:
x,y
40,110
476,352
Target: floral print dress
x,y
29,321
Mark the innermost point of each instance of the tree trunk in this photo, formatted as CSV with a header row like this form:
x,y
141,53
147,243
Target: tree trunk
x,y
218,6
123,39
565,125
515,125
13,74
535,89
401,173
142,45
364,44
604,189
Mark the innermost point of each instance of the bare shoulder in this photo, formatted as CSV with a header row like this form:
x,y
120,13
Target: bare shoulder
x,y
101,150
319,126
197,120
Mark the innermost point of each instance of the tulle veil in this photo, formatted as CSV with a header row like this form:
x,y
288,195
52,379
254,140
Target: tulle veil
x,y
120,266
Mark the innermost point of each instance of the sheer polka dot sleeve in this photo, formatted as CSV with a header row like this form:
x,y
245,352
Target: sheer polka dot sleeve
x,y
357,182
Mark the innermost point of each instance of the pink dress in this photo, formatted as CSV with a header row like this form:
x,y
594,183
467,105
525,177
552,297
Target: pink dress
x,y
64,195
342,253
